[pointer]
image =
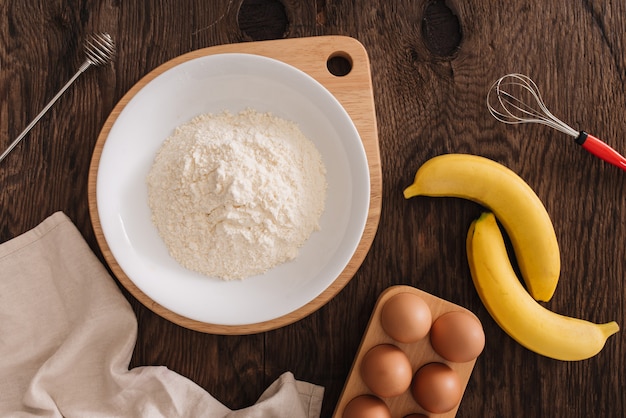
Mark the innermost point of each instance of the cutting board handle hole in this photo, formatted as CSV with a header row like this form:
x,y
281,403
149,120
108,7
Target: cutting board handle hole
x,y
339,64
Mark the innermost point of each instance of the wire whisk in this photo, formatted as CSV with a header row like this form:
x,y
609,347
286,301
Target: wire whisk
x,y
515,99
99,50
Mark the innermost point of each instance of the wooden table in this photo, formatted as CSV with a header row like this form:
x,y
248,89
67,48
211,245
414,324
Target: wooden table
x,y
430,74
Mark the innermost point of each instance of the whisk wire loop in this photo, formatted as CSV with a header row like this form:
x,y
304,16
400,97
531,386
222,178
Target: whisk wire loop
x,y
99,49
508,106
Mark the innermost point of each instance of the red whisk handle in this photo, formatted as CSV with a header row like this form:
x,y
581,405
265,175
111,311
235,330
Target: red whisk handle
x,y
601,150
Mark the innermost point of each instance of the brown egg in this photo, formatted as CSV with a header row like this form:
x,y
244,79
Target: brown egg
x,y
386,370
437,388
457,336
406,318
366,406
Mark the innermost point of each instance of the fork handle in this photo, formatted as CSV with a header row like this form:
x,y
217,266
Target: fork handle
x,y
81,70
601,150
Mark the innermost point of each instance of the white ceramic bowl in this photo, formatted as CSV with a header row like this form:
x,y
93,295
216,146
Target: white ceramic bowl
x,y
233,82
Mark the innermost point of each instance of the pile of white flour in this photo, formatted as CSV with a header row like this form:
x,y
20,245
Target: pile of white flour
x,y
233,195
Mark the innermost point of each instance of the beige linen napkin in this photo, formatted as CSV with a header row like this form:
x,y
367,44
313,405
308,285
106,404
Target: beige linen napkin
x,y
67,335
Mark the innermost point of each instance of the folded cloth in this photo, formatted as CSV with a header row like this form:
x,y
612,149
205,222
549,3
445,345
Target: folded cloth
x,y
67,335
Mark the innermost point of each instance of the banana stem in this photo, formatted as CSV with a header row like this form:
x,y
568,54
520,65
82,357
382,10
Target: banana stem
x,y
609,328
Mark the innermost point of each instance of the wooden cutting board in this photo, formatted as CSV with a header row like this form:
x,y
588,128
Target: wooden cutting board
x,y
354,92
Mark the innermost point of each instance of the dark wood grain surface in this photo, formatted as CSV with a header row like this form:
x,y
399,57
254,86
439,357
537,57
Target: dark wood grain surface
x,y
432,63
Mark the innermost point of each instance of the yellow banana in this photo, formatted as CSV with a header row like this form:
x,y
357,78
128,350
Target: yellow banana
x,y
530,324
514,203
